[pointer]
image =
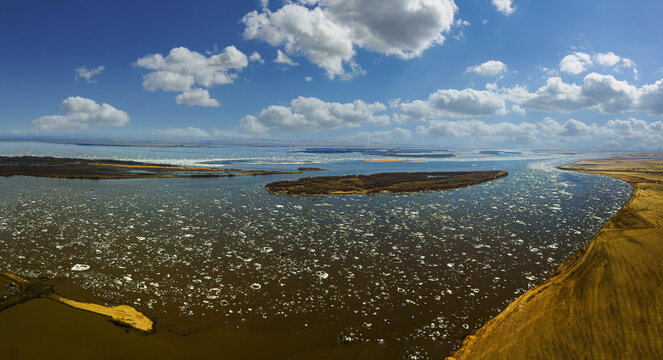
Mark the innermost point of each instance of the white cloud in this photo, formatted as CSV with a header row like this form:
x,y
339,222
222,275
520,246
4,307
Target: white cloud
x,y
575,63
499,132
607,59
600,92
651,98
633,134
518,110
549,127
312,114
198,97
79,114
167,81
183,132
282,58
308,78
504,6
580,62
256,57
328,31
183,69
88,74
248,127
489,68
454,103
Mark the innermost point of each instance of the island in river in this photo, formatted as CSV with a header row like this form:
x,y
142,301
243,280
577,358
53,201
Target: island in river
x,y
111,169
383,182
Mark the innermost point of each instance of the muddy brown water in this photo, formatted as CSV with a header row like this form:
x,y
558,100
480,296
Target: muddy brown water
x,y
227,270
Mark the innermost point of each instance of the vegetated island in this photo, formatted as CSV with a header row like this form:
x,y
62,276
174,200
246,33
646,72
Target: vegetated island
x,y
112,169
303,168
26,290
383,182
606,301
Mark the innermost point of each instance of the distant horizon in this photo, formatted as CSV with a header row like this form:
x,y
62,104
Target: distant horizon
x,y
184,142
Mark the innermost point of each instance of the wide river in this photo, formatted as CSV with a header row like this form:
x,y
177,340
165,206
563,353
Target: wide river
x,y
410,273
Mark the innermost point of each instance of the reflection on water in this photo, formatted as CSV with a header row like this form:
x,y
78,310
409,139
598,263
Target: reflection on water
x,y
415,272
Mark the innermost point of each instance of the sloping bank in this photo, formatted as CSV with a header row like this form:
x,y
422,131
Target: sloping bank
x,y
606,302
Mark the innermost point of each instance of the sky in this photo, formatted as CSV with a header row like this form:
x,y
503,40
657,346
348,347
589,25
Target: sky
x,y
502,73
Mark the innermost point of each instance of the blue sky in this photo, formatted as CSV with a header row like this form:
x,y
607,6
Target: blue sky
x,y
510,73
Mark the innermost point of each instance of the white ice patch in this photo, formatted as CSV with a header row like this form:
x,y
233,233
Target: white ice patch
x,y
80,267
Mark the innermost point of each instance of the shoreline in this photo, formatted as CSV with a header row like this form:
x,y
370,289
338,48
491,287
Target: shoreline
x,y
104,169
604,301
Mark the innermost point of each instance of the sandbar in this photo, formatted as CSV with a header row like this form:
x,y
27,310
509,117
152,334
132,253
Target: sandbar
x,y
34,289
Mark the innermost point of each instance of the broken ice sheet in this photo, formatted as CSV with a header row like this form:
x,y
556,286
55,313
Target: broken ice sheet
x,y
338,260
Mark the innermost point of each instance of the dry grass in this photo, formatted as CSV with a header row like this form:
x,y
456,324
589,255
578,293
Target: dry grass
x,y
606,302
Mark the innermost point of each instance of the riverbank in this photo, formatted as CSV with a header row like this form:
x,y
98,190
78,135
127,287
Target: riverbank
x,y
606,302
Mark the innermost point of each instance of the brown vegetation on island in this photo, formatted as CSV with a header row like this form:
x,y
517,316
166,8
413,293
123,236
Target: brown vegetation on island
x,y
384,182
28,290
606,302
111,169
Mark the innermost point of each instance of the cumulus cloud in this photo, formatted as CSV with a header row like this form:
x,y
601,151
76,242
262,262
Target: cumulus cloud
x,y
600,92
453,103
198,97
309,114
504,6
579,62
571,128
633,134
282,58
255,57
518,110
498,132
489,68
184,69
312,114
88,74
327,32
79,114
248,127
575,63
167,81
651,98
607,59
183,132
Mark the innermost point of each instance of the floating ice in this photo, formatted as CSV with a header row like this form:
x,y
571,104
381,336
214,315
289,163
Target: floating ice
x,y
80,267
